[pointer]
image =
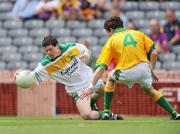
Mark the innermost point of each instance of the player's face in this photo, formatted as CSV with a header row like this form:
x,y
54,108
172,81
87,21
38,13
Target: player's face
x,y
110,33
52,51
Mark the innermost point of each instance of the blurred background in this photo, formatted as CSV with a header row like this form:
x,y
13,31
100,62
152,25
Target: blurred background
x,y
24,23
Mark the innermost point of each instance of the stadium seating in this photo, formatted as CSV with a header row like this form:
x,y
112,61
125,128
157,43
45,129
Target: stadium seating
x,y
2,65
9,24
3,33
5,41
4,16
67,39
178,58
92,40
33,24
54,24
96,24
141,23
16,65
100,32
82,32
75,24
41,32
176,49
175,5
18,32
135,15
128,6
23,41
156,14
171,65
11,57
167,57
20,41
150,5
5,6
63,32
28,49
8,49
32,57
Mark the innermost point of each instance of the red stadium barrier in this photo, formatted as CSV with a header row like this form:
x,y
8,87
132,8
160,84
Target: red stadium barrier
x,y
64,103
8,99
126,101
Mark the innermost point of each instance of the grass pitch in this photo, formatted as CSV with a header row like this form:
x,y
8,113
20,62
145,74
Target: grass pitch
x,y
75,125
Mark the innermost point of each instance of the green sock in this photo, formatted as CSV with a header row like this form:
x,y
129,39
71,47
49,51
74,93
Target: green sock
x,y
107,100
93,101
101,114
165,104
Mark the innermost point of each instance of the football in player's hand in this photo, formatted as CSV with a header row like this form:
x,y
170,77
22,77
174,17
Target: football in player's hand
x,y
24,79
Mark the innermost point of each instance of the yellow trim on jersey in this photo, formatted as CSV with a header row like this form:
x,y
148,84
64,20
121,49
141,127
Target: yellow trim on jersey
x,y
62,61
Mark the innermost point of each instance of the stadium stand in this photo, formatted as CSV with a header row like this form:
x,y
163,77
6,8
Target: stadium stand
x,y
22,39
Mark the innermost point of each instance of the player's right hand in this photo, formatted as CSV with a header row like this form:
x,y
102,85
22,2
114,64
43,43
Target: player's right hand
x,y
85,93
16,73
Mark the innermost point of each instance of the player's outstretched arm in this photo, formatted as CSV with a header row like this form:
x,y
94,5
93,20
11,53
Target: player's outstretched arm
x,y
153,61
97,75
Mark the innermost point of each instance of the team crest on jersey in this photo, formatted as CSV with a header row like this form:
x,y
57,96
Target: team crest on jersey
x,y
71,69
63,61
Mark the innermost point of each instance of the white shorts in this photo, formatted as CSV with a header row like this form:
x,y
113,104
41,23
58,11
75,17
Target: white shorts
x,y
78,92
140,73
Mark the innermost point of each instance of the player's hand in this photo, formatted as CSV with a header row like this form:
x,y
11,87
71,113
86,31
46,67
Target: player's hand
x,y
86,92
16,73
85,57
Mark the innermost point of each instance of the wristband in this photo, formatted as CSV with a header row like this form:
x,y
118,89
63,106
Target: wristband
x,y
91,86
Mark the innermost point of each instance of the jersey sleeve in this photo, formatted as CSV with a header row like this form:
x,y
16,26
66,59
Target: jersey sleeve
x,y
82,48
39,74
105,56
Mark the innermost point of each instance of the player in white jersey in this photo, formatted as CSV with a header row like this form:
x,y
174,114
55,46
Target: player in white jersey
x,y
65,63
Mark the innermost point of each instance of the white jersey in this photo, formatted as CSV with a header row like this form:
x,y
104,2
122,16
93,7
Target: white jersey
x,y
67,68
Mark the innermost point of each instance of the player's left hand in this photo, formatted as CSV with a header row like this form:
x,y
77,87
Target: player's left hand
x,y
86,92
85,57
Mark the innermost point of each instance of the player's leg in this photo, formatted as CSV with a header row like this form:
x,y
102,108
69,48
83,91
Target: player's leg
x,y
85,111
108,96
146,84
108,93
96,96
113,77
162,101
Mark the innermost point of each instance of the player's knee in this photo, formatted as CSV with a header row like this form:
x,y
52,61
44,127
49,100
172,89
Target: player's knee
x,y
149,91
109,79
86,116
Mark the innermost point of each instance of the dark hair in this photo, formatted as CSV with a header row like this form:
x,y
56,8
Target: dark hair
x,y
113,22
49,40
